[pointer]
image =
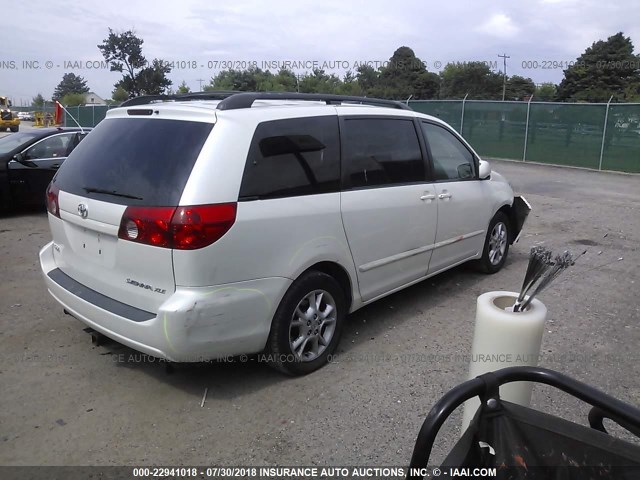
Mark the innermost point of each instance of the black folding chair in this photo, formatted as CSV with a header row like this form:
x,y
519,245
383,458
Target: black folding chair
x,y
522,443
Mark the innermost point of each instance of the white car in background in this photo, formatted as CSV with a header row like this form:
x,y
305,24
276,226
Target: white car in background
x,y
218,225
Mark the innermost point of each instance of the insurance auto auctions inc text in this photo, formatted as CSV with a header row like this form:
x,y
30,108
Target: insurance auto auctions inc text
x,y
344,472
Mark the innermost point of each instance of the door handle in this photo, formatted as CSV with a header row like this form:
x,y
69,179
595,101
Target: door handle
x,y
427,197
444,195
55,166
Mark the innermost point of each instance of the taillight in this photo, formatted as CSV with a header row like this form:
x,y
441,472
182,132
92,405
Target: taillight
x,y
150,225
202,225
52,200
183,228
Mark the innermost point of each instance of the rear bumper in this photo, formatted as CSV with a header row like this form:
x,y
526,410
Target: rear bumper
x,y
193,324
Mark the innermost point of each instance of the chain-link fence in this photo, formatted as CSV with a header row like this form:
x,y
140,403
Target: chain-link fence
x,y
600,136
48,107
87,116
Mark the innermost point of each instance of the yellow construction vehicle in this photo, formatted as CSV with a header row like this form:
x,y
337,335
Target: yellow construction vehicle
x,y
8,119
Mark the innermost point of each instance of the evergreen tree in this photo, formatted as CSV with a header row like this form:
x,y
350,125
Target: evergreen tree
x,y
70,83
608,67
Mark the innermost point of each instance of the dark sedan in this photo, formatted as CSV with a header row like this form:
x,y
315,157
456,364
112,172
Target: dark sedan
x,y
29,160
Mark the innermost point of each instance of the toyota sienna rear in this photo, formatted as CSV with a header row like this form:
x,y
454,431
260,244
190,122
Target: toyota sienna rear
x,y
198,230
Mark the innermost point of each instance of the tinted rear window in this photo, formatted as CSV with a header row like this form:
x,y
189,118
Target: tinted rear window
x,y
381,151
287,158
149,159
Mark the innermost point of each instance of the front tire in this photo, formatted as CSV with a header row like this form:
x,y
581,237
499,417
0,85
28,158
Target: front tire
x,y
496,244
14,129
307,326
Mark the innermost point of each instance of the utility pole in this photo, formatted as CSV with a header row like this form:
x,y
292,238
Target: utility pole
x,y
200,80
504,56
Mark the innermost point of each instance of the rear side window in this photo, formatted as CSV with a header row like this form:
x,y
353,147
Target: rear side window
x,y
292,157
134,161
381,152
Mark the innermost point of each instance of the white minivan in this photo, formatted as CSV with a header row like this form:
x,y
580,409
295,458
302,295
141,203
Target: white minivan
x,y
209,225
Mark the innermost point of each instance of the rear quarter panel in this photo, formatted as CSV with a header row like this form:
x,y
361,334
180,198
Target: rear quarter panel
x,y
270,238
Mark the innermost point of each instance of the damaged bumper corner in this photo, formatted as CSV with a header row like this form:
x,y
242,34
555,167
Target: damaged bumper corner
x,y
519,212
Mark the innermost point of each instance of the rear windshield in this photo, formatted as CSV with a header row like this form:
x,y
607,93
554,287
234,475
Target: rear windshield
x,y
134,161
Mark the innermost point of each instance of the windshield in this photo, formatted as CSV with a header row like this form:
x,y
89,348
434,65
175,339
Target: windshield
x,y
134,161
14,141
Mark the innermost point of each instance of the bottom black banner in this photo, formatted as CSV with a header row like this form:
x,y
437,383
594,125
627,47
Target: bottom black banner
x,y
313,472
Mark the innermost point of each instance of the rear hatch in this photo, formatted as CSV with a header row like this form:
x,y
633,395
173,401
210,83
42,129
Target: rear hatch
x,y
140,163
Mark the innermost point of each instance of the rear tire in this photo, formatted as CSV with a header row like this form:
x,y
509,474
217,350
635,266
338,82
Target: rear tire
x,y
496,245
307,326
15,129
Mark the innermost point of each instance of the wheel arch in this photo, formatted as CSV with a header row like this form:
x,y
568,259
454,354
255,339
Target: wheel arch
x,y
279,348
508,210
340,274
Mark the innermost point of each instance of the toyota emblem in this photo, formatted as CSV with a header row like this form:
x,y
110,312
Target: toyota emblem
x,y
83,211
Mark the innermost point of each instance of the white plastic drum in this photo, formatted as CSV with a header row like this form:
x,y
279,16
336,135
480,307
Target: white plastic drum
x,y
503,339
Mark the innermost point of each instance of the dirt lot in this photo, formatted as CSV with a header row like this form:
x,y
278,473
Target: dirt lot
x,y
66,402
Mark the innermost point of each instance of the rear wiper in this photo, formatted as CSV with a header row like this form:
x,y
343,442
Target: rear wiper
x,y
109,192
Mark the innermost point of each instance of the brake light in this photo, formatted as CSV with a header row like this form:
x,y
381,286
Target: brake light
x,y
150,225
182,228
52,200
199,226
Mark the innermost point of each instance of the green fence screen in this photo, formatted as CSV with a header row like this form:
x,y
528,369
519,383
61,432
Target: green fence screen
x,y
622,139
88,116
557,133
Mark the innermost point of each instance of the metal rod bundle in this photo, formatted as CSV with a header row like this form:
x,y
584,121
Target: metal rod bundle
x,y
541,271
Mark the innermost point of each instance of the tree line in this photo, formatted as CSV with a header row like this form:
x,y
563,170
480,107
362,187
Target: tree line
x,y
607,69
398,81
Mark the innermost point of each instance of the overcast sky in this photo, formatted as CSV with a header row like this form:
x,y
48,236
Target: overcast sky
x,y
208,33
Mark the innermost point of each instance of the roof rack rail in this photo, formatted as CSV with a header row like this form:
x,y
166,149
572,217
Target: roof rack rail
x,y
246,99
233,100
146,99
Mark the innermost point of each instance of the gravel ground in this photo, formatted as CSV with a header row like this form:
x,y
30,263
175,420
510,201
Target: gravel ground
x,y
66,402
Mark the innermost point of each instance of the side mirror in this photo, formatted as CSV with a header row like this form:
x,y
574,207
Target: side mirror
x,y
20,158
485,170
465,171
